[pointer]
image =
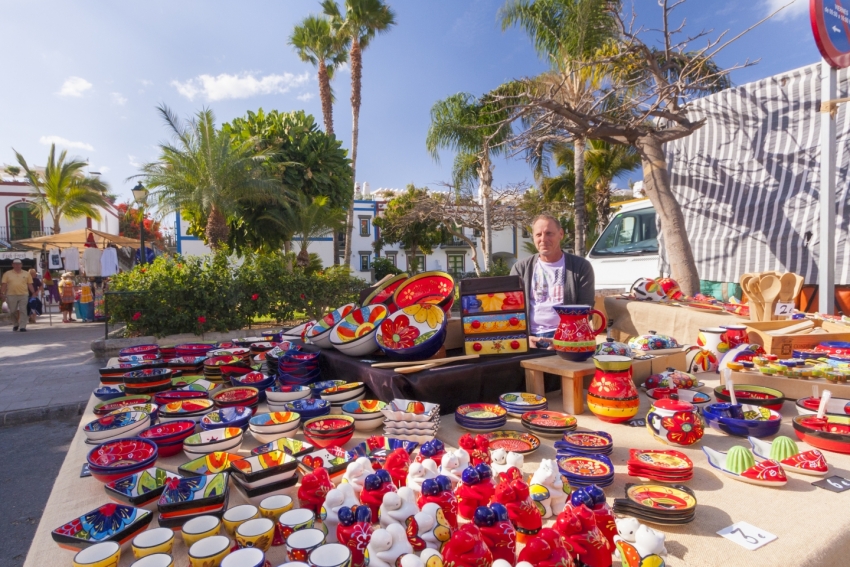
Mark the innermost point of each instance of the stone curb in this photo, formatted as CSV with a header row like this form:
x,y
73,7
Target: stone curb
x,y
109,348
43,413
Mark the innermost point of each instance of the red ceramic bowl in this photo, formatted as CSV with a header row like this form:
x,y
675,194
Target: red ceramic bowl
x,y
236,396
169,431
122,457
328,425
435,287
163,398
830,434
170,449
324,442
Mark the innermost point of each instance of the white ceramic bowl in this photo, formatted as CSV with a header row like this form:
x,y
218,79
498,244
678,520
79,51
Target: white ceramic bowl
x,y
262,423
138,420
264,438
206,442
345,395
298,393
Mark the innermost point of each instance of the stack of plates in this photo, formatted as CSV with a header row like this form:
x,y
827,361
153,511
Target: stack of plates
x,y
481,417
658,504
193,409
584,470
213,366
338,396
518,403
192,497
548,422
193,349
411,420
147,381
661,466
239,396
586,443
265,475
298,367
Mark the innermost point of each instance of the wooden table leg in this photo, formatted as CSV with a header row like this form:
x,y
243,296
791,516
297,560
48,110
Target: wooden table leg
x,y
578,395
534,382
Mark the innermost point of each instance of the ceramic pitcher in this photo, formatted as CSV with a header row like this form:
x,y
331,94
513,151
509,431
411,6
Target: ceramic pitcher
x,y
612,395
675,422
712,338
575,338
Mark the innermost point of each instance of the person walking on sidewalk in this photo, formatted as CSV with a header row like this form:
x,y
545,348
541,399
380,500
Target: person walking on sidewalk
x,y
13,288
66,296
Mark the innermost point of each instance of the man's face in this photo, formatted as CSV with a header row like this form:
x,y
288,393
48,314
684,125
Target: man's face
x,y
547,236
17,267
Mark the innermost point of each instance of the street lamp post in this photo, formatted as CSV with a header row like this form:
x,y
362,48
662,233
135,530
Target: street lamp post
x,y
140,194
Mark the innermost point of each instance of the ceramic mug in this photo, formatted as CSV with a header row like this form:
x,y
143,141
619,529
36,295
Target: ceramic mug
x,y
294,520
735,335
713,339
675,422
273,506
238,515
157,540
248,557
155,560
104,554
330,555
199,528
299,544
209,552
258,533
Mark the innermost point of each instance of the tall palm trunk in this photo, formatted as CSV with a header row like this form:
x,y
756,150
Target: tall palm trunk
x,y
580,206
328,117
657,184
57,217
217,229
485,182
355,57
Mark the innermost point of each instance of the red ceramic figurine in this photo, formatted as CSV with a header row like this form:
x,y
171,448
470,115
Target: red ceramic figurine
x,y
513,493
603,512
547,549
466,548
497,531
314,487
397,464
577,525
439,491
354,531
472,492
434,450
374,487
478,448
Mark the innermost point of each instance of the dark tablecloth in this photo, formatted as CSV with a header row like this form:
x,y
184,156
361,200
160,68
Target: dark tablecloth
x,y
481,380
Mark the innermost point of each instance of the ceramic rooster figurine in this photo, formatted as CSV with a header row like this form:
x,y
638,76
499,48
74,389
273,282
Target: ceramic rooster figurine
x,y
513,493
466,548
313,490
397,507
374,488
478,448
546,549
433,529
397,465
472,492
497,531
577,525
419,471
439,491
341,497
354,531
434,450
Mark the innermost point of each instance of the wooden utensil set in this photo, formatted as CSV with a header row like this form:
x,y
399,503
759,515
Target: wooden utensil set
x,y
766,289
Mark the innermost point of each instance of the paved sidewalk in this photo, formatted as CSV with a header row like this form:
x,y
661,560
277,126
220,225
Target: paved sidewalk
x,y
47,372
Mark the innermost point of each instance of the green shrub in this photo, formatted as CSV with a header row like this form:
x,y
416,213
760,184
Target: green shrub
x,y
383,267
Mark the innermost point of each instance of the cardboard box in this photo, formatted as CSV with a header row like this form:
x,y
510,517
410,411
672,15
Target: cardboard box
x,y
783,345
454,334
792,388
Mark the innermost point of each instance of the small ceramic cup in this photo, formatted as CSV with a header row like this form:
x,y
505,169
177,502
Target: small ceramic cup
x,y
104,554
258,533
299,544
155,560
294,520
248,557
157,540
199,528
209,552
273,506
238,515
330,555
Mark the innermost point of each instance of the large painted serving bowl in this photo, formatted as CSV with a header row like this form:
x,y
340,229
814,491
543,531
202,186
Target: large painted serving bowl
x,y
280,393
355,334
413,333
383,294
758,421
320,333
307,409
832,433
752,395
839,407
436,288
236,416
121,457
120,424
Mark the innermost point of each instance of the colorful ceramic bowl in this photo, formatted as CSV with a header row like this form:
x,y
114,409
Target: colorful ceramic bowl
x,y
752,395
236,416
139,350
237,396
413,333
209,552
163,398
193,409
330,555
275,422
839,407
318,387
294,447
104,408
691,396
832,433
157,540
758,421
436,288
355,334
257,533
121,424
384,292
155,560
212,463
329,431
319,334
121,457
273,506
199,528
281,393
513,441
206,442
169,431
238,515
652,341
106,554
307,409
344,392
364,409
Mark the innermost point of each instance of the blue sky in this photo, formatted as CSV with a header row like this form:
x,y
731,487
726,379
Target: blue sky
x,y
89,75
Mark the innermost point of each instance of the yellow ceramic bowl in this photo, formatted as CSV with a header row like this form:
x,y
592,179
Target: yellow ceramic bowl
x,y
157,540
257,533
238,515
273,506
209,552
199,528
104,554
155,560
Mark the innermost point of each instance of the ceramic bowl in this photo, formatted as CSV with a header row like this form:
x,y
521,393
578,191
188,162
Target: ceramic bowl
x,y
830,434
838,407
436,288
296,519
287,393
691,396
155,560
717,416
318,387
106,393
294,447
156,540
275,422
307,409
121,424
413,333
411,410
248,557
299,356
121,457
273,506
186,410
163,398
257,533
328,431
752,395
236,416
148,376
301,543
199,528
355,334
238,515
170,431
104,408
236,396
193,349
254,380
330,555
319,334
209,552
367,414
205,442
384,292
344,392
266,438
105,554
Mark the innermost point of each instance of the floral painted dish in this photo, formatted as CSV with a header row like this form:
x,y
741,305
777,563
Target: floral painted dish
x,y
592,442
432,287
169,396
333,459
212,463
104,408
110,522
238,351
414,332
317,387
121,454
187,407
225,360
169,430
481,411
521,399
585,467
513,441
549,419
140,488
669,461
119,423
359,323
294,447
139,350
195,492
661,498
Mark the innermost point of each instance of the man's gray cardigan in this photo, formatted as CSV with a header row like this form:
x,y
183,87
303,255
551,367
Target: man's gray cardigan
x,y
578,279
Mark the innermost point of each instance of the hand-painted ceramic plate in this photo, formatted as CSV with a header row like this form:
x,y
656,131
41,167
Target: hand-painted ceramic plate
x,y
191,406
294,447
237,394
118,403
110,522
585,466
194,492
216,462
481,411
515,441
660,497
427,287
548,419
588,440
522,399
140,488
666,460
410,327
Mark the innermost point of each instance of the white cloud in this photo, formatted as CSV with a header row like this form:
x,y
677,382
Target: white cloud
x,y
133,161
344,68
146,82
118,98
104,169
74,86
305,96
797,8
224,86
59,141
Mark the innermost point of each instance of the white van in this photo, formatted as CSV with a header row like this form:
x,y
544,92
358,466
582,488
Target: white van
x,y
628,248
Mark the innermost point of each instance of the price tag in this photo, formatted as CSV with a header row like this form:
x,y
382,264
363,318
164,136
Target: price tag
x,y
747,535
784,309
637,423
834,484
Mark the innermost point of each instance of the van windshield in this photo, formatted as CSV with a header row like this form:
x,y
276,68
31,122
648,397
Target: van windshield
x,y
629,234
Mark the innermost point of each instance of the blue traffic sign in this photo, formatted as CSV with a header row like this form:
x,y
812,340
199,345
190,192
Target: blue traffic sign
x,y
831,28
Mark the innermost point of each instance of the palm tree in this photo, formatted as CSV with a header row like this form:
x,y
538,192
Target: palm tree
x,y
569,33
13,170
363,20
310,219
470,127
64,190
207,172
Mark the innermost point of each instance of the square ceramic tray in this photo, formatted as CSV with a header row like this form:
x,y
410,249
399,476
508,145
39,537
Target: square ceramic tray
x,y
216,462
195,492
262,466
410,410
294,447
176,522
110,522
334,460
140,488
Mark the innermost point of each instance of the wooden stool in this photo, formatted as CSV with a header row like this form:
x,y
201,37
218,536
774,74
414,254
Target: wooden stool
x,y
572,379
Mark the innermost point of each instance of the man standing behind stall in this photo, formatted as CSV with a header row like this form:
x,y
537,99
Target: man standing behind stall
x,y
552,277
13,288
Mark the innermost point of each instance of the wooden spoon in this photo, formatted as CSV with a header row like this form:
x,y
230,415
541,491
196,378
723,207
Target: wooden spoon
x,y
798,287
754,292
770,287
788,281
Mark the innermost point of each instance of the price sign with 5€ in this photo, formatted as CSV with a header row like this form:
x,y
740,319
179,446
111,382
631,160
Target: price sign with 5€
x,y
747,535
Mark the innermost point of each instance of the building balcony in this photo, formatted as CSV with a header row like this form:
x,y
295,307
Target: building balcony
x,y
457,243
11,233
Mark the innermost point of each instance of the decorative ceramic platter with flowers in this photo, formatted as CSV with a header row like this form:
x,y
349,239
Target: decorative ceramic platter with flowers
x,y
549,419
410,326
585,466
110,522
358,323
661,497
515,441
582,439
140,488
428,287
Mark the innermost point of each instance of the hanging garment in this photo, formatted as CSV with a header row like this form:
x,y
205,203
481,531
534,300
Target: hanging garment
x,y
109,262
91,261
86,294
54,259
71,256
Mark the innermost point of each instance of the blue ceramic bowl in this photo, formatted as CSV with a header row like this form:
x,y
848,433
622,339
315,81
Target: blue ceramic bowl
x,y
718,417
285,378
237,416
425,349
317,387
106,393
309,408
300,357
296,368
